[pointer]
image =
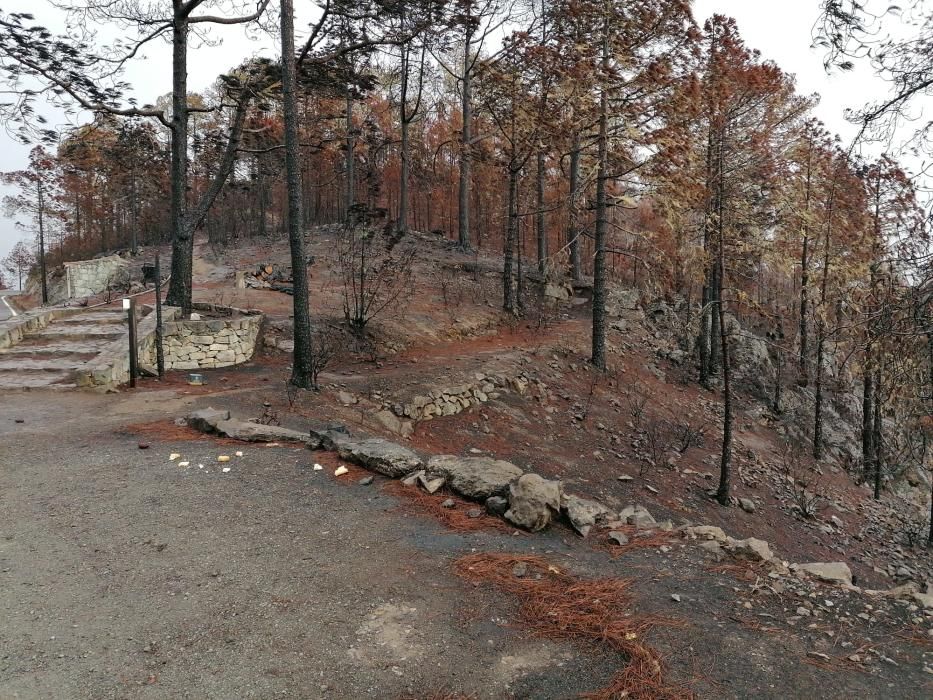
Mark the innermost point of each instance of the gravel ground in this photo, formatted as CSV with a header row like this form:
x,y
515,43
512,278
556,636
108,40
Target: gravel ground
x,y
126,575
123,575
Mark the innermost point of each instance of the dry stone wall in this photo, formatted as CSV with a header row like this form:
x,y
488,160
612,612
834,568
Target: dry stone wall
x,y
452,400
86,278
209,343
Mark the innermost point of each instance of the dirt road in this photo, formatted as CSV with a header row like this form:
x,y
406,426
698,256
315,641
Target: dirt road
x,y
126,575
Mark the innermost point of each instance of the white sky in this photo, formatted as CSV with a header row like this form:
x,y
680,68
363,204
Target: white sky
x,y
781,31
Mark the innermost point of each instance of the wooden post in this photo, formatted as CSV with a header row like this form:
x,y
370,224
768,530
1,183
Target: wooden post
x,y
160,354
130,305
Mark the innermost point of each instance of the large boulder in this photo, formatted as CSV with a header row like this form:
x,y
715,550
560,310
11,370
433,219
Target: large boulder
x,y
751,359
382,456
624,303
831,572
750,548
206,419
584,513
256,432
477,478
533,502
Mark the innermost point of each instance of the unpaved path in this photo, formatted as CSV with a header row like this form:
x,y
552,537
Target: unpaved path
x,y
124,575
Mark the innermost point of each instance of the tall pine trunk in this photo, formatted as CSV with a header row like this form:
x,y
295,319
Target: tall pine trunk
x,y
508,287
301,365
466,157
179,290
598,357
540,230
573,230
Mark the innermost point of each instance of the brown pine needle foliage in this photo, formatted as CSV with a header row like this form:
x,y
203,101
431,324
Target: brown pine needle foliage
x,y
556,605
419,502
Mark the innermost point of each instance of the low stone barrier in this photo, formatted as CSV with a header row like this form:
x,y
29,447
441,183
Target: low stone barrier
x,y
210,343
13,330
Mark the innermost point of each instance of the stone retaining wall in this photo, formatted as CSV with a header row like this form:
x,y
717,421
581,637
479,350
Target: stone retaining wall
x,y
113,366
453,400
86,278
13,330
209,343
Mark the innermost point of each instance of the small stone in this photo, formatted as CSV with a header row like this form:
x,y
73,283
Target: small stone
x,y
625,477
143,445
520,569
747,504
675,597
449,503
803,612
474,513
366,480
619,538
651,489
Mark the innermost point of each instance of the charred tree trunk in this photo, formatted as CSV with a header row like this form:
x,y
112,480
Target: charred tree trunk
x,y
573,231
466,157
302,374
540,230
508,287
598,357
725,464
179,290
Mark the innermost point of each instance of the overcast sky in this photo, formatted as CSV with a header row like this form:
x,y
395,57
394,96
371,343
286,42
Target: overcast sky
x,y
781,31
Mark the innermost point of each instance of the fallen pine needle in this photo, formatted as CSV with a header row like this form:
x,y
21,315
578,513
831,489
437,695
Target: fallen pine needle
x,y
556,605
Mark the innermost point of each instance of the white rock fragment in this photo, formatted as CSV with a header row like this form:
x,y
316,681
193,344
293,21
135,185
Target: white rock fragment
x,y
223,458
183,464
225,470
341,470
172,457
318,467
239,453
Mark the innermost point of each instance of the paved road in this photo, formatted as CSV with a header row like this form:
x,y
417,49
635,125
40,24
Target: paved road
x,y
6,311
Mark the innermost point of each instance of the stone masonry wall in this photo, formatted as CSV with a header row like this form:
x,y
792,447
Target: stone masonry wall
x,y
452,400
210,343
88,277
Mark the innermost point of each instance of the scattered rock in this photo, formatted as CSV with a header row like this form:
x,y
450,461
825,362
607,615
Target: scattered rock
x,y
641,518
206,419
675,597
392,422
474,513
533,501
619,538
625,477
414,478
708,532
714,548
428,484
747,504
382,456
449,503
520,569
832,572
346,398
366,480
750,548
583,513
256,432
477,478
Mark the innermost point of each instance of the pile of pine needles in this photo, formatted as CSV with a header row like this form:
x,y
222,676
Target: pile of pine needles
x,y
555,605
